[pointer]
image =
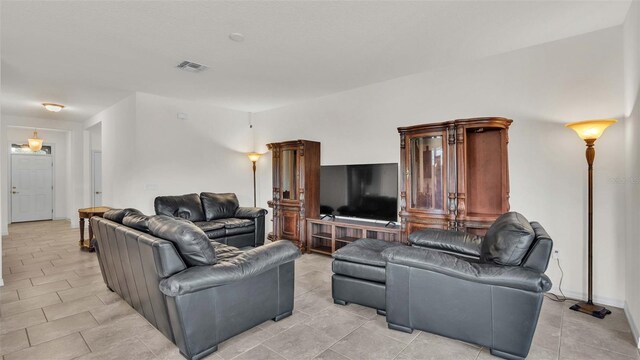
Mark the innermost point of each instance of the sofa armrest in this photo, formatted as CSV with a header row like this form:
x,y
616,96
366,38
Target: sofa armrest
x,y
250,263
250,212
447,240
491,274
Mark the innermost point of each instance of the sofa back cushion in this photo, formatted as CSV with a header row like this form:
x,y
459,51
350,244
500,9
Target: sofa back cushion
x,y
219,206
118,215
187,207
508,240
191,242
137,221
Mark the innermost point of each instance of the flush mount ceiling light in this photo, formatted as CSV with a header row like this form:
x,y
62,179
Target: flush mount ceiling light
x,y
53,107
237,37
190,66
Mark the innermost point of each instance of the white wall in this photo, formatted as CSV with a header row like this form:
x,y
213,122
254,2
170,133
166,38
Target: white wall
x,y
541,88
95,137
118,136
147,151
632,179
3,231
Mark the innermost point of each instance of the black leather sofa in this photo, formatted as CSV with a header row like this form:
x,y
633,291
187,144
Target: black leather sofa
x,y
483,290
197,292
220,216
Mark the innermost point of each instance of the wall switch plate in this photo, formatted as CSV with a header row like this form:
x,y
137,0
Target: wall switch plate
x,y
150,187
182,116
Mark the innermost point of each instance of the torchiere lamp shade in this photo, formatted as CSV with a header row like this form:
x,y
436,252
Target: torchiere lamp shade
x,y
591,129
254,156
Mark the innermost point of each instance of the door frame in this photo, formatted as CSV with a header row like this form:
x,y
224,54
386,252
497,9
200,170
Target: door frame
x,y
10,180
93,175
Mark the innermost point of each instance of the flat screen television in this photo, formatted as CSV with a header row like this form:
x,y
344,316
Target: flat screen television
x,y
368,191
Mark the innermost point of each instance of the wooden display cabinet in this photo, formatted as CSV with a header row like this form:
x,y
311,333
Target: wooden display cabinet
x,y
455,174
296,188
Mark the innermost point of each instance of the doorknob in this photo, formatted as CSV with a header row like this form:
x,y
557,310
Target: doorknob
x,y
14,192
98,192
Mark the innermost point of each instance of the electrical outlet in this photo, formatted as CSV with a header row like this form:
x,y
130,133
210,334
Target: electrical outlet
x,y
556,254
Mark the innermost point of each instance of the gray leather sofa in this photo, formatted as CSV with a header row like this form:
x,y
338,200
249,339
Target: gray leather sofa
x,y
483,290
197,292
220,216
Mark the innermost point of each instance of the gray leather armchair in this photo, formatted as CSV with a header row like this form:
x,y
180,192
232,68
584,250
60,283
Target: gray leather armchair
x,y
483,290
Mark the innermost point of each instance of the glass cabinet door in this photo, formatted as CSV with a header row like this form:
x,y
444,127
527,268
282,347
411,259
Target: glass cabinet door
x,y
289,174
427,173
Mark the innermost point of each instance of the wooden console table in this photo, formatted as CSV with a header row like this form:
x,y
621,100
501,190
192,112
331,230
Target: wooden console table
x,y
87,213
327,236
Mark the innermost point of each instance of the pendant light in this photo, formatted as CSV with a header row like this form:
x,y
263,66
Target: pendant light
x,y
35,143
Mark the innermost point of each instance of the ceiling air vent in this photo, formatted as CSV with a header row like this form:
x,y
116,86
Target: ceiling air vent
x,y
192,67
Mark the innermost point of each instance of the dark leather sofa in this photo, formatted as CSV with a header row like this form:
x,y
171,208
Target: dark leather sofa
x,y
218,215
483,290
197,292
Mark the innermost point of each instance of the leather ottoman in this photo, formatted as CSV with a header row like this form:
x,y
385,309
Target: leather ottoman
x,y
359,274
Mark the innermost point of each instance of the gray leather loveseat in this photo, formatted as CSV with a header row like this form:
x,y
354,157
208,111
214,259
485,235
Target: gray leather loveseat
x,y
197,292
220,216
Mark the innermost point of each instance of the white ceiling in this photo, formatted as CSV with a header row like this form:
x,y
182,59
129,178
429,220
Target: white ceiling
x,y
89,55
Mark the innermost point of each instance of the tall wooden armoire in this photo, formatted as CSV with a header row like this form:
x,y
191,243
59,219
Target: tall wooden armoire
x,y
296,188
455,174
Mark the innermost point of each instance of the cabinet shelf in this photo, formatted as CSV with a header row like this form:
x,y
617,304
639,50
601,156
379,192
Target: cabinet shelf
x,y
323,235
348,239
327,236
325,250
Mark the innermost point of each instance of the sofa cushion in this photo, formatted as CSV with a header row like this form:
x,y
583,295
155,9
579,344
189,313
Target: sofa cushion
x,y
365,251
187,207
137,221
209,225
219,206
214,230
359,271
191,242
118,214
508,240
240,230
232,223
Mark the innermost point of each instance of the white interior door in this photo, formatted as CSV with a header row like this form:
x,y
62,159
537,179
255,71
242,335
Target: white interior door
x,y
31,187
97,178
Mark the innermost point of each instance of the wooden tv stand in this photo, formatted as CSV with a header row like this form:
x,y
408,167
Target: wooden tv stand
x,y
325,236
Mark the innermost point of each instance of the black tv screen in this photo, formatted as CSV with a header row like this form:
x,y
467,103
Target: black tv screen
x,y
364,191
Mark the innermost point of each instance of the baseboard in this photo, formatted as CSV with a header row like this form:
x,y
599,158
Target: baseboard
x,y
632,324
1,282
597,299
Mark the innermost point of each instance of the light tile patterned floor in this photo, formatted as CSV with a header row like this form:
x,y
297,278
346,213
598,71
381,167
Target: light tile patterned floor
x,y
54,305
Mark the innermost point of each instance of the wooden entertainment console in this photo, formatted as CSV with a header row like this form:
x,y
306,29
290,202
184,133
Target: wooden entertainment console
x,y
325,236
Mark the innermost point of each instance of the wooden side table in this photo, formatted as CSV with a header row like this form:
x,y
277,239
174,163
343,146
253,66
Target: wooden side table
x,y
87,213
